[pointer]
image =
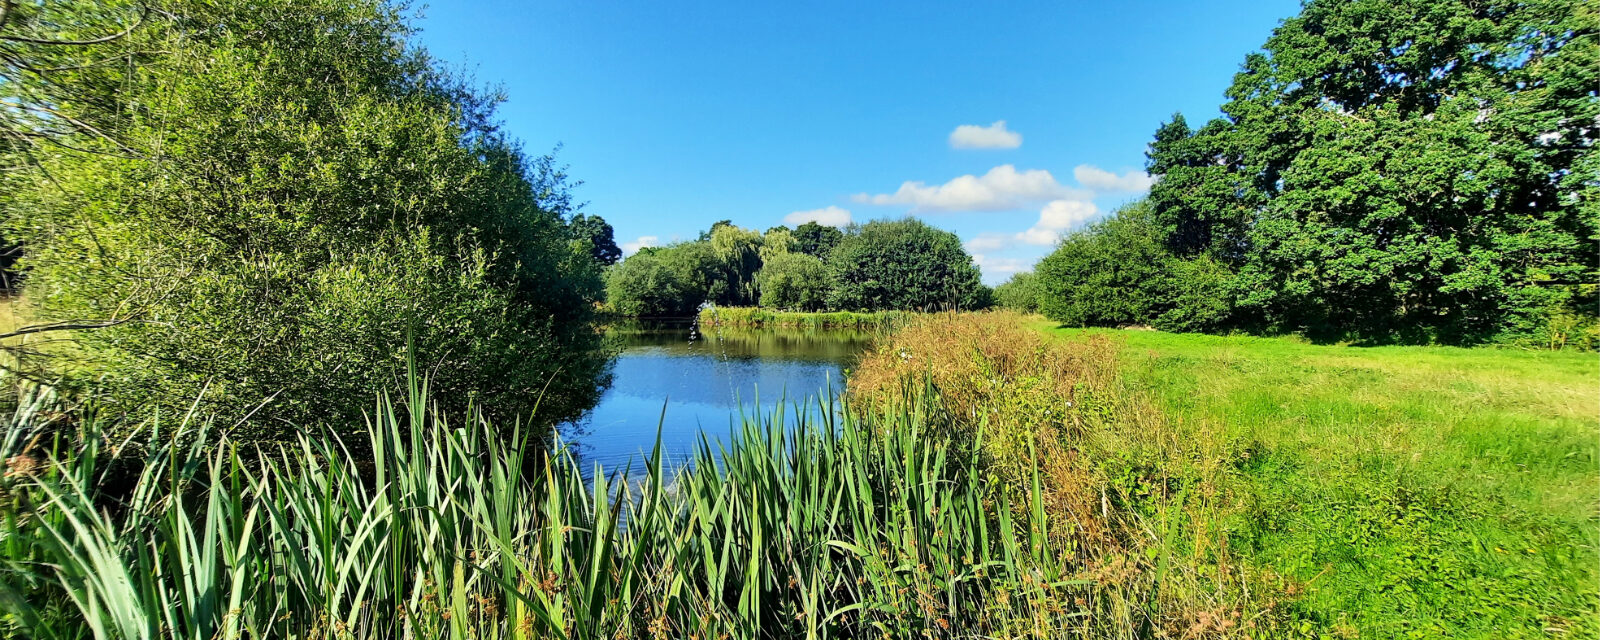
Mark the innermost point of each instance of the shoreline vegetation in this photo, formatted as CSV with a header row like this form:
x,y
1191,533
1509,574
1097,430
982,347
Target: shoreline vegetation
x,y
755,317
986,475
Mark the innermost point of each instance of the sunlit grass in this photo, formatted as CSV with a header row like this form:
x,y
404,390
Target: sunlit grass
x,y
1411,489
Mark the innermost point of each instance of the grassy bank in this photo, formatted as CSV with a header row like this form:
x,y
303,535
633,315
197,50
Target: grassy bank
x,y
1401,491
758,317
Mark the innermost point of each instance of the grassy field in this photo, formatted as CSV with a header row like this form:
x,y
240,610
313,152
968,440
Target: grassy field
x,y
1408,491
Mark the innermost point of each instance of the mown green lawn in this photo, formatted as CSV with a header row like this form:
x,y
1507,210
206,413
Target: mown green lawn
x,y
1411,491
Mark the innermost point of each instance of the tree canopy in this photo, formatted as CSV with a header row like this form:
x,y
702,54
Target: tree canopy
x,y
882,265
272,201
1399,170
902,264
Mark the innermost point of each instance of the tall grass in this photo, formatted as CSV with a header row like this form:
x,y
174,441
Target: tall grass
x,y
758,317
429,526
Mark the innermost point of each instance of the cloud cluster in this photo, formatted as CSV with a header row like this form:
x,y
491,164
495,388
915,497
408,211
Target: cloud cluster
x,y
1099,179
1003,188
994,136
1055,219
830,216
630,248
991,265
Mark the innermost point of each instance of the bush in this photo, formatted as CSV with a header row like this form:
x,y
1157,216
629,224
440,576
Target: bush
x,y
293,194
1107,275
793,281
654,283
902,264
1020,293
1196,295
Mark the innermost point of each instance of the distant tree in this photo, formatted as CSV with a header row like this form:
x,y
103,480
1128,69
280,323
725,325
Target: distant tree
x,y
902,264
1020,293
776,241
598,234
793,281
1406,170
666,282
738,254
817,240
706,235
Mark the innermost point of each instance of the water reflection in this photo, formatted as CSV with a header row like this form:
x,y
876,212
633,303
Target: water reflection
x,y
702,382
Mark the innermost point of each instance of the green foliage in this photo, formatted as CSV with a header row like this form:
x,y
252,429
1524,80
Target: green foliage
x,y
738,257
597,233
836,527
902,264
667,281
816,239
1106,275
767,318
1195,295
890,265
1020,293
286,195
793,281
1412,170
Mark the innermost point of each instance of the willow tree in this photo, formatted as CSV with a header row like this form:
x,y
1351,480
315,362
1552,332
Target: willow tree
x,y
264,214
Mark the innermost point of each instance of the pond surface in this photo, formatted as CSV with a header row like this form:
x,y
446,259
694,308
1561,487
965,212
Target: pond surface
x,y
703,381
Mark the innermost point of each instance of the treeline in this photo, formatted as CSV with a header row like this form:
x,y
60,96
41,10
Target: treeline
x,y
256,210
881,265
1411,171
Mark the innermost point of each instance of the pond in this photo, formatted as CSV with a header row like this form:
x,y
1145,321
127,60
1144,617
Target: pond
x,y
691,382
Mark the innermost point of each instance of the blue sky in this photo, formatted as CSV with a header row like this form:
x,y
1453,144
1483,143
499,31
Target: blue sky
x,y
676,115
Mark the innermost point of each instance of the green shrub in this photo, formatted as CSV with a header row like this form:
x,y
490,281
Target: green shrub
x,y
793,281
659,282
1107,275
1020,293
1195,295
292,194
902,264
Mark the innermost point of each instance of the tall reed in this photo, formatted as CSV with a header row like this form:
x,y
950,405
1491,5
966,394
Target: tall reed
x,y
831,525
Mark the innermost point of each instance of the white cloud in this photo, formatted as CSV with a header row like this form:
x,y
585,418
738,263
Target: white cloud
x,y
1096,178
630,248
994,136
989,241
992,266
1057,218
830,216
1003,188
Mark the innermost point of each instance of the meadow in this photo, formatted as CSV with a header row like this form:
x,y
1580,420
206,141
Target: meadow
x,y
1428,491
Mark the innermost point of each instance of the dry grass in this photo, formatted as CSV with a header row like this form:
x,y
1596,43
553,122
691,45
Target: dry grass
x,y
1134,499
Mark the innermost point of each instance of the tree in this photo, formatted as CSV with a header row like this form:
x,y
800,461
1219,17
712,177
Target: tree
x,y
738,254
324,195
659,283
817,240
598,234
1107,275
793,281
902,264
1410,170
1019,293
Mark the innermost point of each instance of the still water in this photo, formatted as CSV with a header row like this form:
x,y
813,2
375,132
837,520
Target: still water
x,y
702,381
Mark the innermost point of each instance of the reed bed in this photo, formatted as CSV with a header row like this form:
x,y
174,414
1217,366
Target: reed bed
x,y
758,317
836,526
